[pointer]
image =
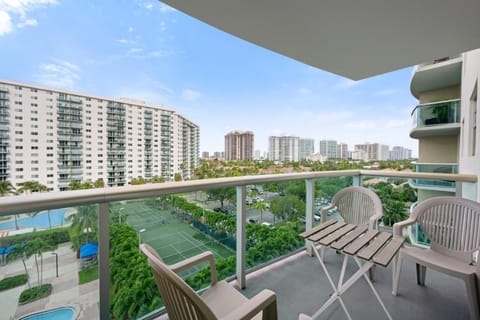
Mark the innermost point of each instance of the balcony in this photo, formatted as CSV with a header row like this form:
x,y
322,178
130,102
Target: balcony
x,y
436,119
295,277
439,74
438,185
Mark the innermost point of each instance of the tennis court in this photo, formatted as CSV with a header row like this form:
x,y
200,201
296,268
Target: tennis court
x,y
173,239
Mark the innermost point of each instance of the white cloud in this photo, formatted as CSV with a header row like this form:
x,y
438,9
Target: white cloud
x,y
334,116
164,8
304,91
122,41
28,23
347,83
148,5
386,92
5,23
191,95
15,12
135,50
130,29
60,74
398,123
361,125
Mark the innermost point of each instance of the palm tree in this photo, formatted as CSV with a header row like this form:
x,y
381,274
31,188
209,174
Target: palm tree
x,y
85,221
261,206
31,187
6,188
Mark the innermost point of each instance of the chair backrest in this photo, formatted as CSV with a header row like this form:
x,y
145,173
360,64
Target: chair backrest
x,y
452,224
180,300
357,204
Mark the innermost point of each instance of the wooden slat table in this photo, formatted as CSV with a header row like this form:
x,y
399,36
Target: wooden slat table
x,y
366,247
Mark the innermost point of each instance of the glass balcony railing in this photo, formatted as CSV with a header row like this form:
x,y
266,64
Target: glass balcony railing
x,y
441,185
235,218
437,113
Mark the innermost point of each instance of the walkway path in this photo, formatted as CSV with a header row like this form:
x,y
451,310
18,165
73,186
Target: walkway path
x,y
66,291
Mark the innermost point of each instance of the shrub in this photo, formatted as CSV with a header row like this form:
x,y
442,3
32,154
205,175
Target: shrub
x,y
12,282
35,293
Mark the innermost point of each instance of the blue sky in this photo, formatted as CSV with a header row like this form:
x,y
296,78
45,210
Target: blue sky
x,y
148,51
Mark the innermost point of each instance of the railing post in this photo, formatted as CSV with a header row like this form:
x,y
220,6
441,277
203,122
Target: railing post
x,y
241,236
309,209
469,190
357,181
104,254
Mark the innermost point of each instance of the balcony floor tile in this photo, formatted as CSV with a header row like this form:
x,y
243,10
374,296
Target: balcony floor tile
x,y
301,286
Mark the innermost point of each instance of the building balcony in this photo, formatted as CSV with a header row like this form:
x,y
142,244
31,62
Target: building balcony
x,y
435,168
439,74
3,96
436,119
296,277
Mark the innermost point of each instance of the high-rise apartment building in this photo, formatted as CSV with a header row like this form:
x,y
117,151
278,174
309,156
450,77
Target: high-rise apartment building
x,y
371,151
342,151
55,136
239,145
400,153
446,122
328,148
205,155
305,148
283,148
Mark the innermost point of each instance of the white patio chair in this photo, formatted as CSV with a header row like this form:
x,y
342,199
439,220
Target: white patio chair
x,y
356,205
453,226
220,301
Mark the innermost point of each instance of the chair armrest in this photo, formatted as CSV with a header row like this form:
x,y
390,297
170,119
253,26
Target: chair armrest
x,y
373,220
192,261
397,227
325,210
265,301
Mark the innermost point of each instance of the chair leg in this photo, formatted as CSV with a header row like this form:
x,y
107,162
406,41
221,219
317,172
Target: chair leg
x,y
396,267
270,311
370,273
472,296
421,271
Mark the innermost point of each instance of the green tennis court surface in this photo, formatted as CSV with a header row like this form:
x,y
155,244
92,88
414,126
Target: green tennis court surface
x,y
173,239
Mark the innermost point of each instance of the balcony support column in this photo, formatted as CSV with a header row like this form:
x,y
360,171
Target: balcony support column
x,y
103,261
241,236
309,209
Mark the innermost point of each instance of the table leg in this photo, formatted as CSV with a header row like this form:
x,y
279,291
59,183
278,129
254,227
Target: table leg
x,y
336,294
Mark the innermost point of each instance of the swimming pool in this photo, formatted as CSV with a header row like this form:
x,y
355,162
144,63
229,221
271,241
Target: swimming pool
x,y
40,220
63,313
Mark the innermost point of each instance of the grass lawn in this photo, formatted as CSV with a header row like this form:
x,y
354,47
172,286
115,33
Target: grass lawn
x,y
88,274
173,239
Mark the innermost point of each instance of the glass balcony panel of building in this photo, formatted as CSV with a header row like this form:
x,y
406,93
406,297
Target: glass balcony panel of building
x,y
436,119
432,184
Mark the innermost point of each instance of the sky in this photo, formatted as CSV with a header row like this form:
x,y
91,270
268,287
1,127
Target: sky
x,y
148,51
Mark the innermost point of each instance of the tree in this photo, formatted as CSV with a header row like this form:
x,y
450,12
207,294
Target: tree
x,y
178,177
78,185
31,187
36,247
99,183
84,222
393,211
288,208
137,181
222,195
6,188
261,206
157,179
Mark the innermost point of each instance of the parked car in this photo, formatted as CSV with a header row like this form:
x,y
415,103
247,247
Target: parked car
x,y
249,201
267,224
253,220
222,210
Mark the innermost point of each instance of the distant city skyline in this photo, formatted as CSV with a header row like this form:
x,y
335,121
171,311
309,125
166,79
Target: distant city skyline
x,y
148,51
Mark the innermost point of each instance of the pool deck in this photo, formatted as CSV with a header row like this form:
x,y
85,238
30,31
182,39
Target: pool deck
x,y
66,290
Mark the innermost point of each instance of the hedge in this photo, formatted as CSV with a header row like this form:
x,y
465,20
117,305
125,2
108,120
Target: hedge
x,y
12,282
35,293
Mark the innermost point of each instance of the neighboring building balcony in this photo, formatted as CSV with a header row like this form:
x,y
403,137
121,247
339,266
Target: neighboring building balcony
x,y
432,184
436,119
441,73
293,275
3,96
3,89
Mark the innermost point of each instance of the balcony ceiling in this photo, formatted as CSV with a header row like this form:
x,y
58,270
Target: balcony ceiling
x,y
352,38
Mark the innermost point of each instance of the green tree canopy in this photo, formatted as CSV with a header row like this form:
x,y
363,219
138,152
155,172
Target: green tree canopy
x,y
288,208
222,195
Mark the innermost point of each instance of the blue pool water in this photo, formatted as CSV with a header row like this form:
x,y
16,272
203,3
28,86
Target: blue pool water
x,y
40,220
63,313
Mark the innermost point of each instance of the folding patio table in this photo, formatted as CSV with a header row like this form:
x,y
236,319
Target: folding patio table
x,y
356,241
